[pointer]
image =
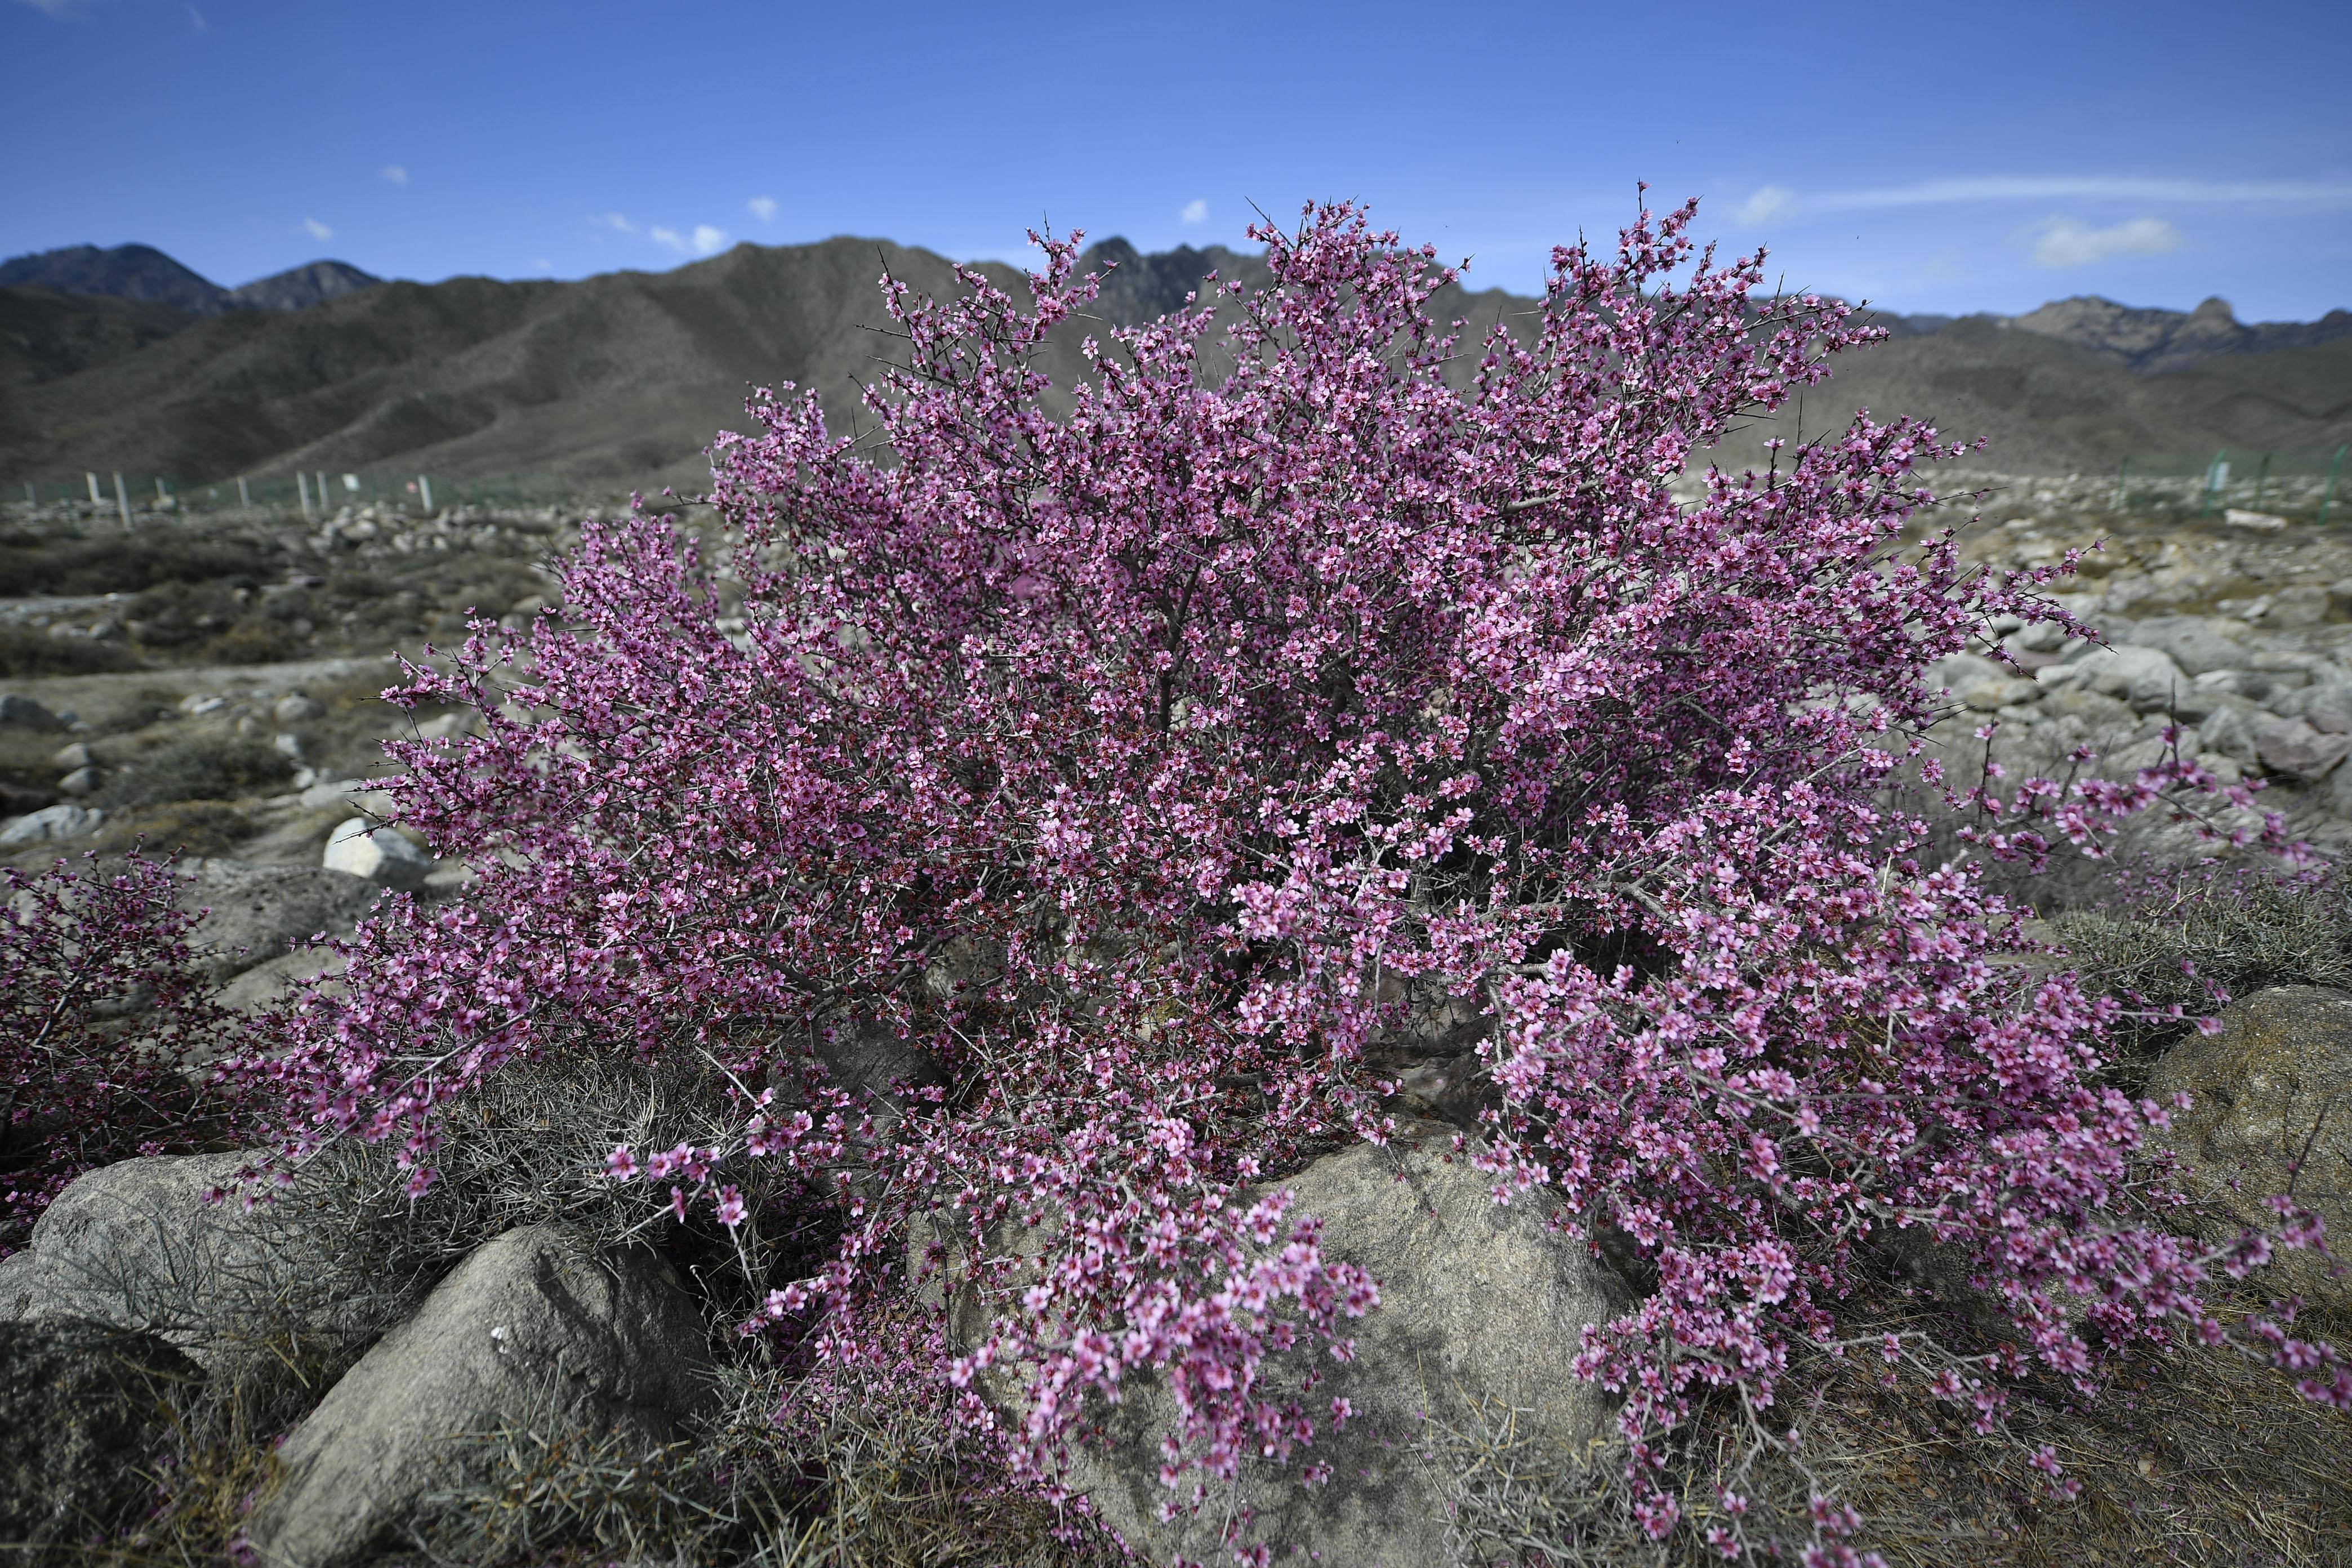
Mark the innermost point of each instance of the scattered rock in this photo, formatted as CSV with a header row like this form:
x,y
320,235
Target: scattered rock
x,y
2297,749
377,854
2261,522
530,1329
2272,1091
85,1415
79,783
1480,1305
270,981
296,707
23,713
51,825
70,757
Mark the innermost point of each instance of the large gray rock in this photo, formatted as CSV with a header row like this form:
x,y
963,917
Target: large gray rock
x,y
532,1330
19,712
261,912
2270,1108
134,1246
1482,1307
51,825
86,1411
2295,749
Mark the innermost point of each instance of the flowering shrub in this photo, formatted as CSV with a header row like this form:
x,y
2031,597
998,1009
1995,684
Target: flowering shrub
x,y
1137,766
101,1010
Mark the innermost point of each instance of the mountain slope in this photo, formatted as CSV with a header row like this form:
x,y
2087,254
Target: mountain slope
x,y
626,376
125,272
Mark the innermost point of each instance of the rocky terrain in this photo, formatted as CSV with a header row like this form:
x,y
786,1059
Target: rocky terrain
x,y
506,1368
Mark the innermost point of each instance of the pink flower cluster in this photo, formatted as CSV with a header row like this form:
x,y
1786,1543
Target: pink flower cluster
x,y
102,1009
1137,765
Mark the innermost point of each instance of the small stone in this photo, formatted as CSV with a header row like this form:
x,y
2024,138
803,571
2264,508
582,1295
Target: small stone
x,y
2261,522
1989,696
197,703
2304,605
288,745
295,708
71,757
377,854
23,713
50,824
79,783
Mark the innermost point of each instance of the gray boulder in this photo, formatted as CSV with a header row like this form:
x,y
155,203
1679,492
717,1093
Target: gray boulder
x,y
261,912
358,848
86,1411
2195,643
2295,749
1481,1308
51,825
533,1329
18,712
134,1246
2270,1108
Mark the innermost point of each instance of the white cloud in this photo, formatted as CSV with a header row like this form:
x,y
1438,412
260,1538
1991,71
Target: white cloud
x,y
616,222
1777,201
2068,242
545,265
395,173
668,237
763,208
318,230
1195,211
196,20
1769,203
56,8
708,241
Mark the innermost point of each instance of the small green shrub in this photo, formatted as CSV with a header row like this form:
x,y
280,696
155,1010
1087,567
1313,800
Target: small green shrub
x,y
116,565
208,767
2189,941
24,652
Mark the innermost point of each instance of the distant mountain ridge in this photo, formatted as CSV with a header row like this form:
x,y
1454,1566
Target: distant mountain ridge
x,y
2153,340
143,273
626,376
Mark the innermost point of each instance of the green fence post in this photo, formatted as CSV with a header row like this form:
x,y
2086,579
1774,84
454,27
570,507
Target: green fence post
x,y
2263,479
2328,497
2213,480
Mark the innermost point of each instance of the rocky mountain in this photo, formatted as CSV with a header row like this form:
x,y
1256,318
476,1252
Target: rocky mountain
x,y
2153,340
126,272
143,273
299,288
624,377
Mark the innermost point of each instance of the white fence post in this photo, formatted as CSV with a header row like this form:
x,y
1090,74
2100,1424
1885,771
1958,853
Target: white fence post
x,y
122,501
244,496
322,489
425,493
303,484
95,499
32,498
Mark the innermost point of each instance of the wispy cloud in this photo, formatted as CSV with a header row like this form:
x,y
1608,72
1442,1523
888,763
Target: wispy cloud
x,y
763,208
1195,211
56,8
396,172
196,20
705,240
317,230
545,265
1772,203
618,224
2068,242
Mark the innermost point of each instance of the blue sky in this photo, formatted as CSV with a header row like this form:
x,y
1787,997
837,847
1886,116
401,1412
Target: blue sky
x,y
1987,156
